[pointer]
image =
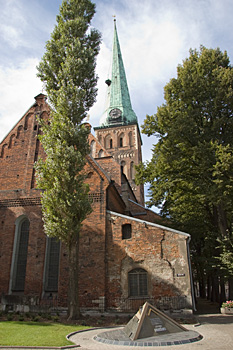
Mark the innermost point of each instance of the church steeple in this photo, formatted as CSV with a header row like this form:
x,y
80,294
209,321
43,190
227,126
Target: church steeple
x,y
118,109
119,132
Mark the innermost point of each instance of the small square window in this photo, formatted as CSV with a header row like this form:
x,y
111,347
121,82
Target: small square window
x,y
126,231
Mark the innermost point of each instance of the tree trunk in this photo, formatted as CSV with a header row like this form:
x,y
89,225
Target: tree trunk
x,y
222,221
215,289
73,292
230,281
202,288
209,288
223,290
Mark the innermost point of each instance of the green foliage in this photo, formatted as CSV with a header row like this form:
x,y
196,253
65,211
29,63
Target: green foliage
x,y
9,317
68,72
228,304
65,197
226,256
68,65
21,318
191,171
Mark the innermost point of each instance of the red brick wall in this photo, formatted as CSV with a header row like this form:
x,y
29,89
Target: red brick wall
x,y
160,252
105,259
127,153
20,149
92,240
36,247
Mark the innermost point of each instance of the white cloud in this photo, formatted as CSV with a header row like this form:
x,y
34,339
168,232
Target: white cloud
x,y
103,64
18,87
155,36
12,23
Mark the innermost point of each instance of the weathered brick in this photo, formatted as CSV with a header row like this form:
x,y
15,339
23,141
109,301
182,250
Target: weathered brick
x,y
105,258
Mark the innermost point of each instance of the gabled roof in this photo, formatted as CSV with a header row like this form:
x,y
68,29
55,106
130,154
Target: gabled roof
x,y
187,235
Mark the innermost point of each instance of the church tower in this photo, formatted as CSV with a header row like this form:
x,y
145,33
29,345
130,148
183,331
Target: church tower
x,y
119,131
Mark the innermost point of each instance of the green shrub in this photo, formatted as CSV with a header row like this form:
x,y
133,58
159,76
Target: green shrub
x,y
35,318
9,317
55,318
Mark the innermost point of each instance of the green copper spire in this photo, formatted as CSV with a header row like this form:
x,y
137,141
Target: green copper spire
x,y
118,108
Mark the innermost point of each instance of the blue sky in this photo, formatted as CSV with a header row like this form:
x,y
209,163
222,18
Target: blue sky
x,y
155,36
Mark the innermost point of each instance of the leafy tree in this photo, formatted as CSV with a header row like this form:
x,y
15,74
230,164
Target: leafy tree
x,y
226,256
191,170
68,72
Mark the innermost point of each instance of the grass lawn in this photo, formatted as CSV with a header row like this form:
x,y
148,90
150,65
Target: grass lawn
x,y
35,334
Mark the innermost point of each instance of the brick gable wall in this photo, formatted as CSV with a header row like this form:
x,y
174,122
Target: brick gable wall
x,y
105,258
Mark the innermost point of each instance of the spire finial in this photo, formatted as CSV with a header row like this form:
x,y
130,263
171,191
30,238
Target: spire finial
x,y
114,16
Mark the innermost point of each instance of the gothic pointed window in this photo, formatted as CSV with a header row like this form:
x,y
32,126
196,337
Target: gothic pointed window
x,y
132,171
52,265
138,283
92,146
121,140
130,138
108,141
101,154
123,167
20,254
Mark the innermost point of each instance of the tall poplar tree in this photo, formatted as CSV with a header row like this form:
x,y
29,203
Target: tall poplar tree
x,y
191,171
68,72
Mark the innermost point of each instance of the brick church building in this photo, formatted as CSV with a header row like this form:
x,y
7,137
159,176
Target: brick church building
x,y
126,256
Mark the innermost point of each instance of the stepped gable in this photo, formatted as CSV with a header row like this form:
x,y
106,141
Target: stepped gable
x,y
39,108
21,148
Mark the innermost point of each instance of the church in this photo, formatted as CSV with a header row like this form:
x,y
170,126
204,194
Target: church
x,y
126,256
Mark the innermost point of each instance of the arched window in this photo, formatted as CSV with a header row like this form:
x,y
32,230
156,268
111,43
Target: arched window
x,y
19,262
132,170
92,146
123,167
52,265
121,140
130,138
100,154
138,283
108,142
126,231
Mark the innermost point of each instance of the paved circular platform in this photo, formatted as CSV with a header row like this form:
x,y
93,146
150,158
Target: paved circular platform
x,y
118,337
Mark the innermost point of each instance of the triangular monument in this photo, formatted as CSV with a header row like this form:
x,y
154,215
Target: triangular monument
x,y
150,322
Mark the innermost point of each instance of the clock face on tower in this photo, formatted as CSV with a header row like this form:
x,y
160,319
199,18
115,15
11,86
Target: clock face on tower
x,y
115,113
